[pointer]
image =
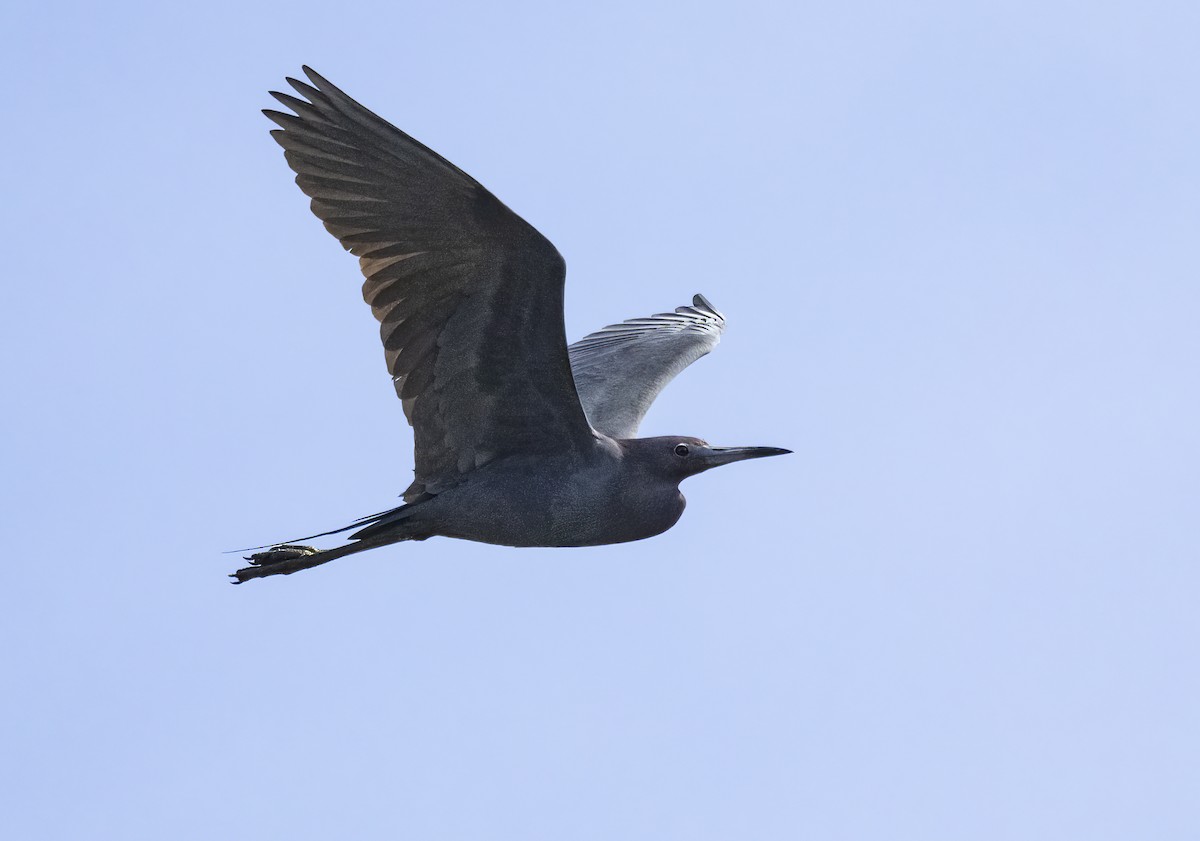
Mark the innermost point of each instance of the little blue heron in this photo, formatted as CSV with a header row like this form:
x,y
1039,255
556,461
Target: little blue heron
x,y
519,439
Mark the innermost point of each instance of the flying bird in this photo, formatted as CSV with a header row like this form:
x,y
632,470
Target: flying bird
x,y
520,440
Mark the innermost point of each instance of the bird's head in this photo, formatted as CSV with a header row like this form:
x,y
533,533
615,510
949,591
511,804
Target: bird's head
x,y
680,457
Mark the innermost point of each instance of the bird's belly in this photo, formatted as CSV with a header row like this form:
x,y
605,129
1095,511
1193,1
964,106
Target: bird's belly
x,y
614,523
553,514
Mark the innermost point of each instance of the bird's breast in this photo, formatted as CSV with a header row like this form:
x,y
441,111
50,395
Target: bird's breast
x,y
616,514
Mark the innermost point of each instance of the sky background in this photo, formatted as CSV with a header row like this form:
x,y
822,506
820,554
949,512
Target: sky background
x,y
957,248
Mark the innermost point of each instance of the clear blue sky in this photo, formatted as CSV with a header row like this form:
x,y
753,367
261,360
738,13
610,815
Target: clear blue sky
x,y
957,248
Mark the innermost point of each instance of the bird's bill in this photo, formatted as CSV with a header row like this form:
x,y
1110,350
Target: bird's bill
x,y
716,456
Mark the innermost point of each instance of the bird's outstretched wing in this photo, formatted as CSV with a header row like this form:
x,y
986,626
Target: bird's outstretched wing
x,y
468,295
620,369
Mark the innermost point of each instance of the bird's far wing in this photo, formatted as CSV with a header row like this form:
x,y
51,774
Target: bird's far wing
x,y
468,295
620,369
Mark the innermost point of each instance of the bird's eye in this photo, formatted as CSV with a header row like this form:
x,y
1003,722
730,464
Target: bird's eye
x,y
681,450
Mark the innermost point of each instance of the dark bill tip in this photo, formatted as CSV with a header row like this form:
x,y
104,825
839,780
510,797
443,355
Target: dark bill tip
x,y
770,451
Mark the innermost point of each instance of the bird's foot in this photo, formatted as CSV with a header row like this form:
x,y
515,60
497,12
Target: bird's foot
x,y
278,560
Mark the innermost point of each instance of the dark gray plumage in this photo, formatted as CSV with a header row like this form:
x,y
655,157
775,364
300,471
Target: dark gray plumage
x,y
518,439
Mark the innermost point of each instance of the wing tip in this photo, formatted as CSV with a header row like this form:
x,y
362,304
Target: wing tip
x,y
322,84
703,308
698,300
279,118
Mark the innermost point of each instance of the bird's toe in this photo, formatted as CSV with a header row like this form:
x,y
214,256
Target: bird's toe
x,y
278,560
278,554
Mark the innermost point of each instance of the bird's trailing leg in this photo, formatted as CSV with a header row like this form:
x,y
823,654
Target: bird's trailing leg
x,y
279,560
287,558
